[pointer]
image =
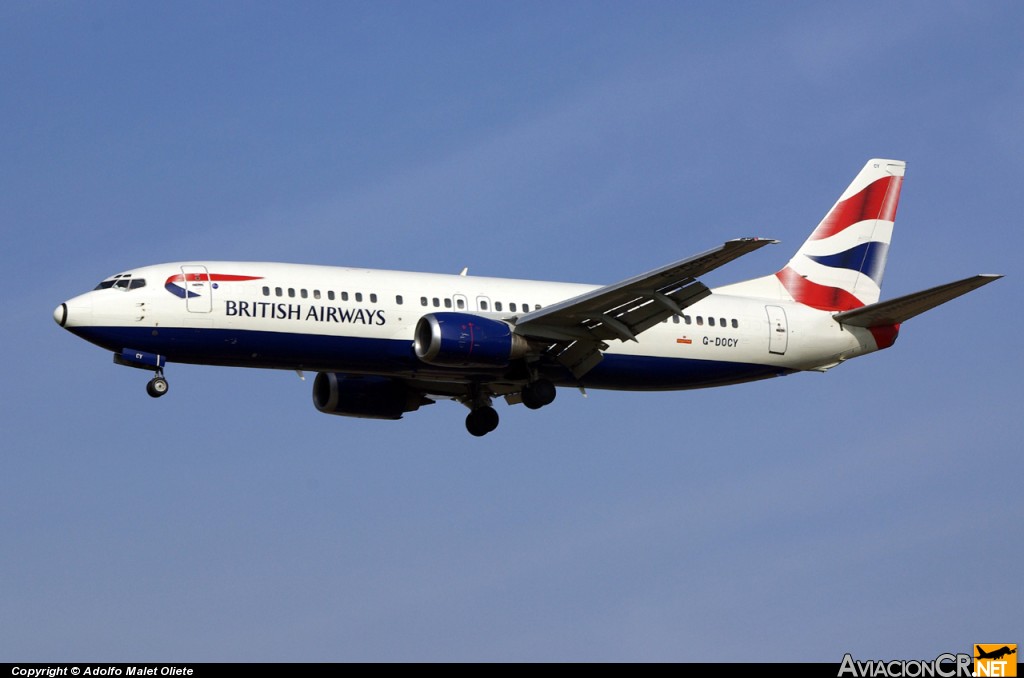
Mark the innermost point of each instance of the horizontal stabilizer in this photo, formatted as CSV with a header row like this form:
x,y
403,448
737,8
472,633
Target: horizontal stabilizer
x,y
895,311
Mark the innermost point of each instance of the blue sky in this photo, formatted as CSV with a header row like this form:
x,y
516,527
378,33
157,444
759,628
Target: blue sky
x,y
873,510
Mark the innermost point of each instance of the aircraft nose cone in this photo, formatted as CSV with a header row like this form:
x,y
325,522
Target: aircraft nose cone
x,y
75,313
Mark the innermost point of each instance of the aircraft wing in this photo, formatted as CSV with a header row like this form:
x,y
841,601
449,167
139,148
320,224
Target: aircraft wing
x,y
582,325
900,309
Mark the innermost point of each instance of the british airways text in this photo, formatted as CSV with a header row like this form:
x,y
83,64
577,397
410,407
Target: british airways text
x,y
323,314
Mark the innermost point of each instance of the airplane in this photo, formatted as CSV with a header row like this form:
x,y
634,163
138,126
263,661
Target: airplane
x,y
385,343
994,654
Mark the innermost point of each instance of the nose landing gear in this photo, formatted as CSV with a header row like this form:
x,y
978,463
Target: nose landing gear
x,y
142,360
157,386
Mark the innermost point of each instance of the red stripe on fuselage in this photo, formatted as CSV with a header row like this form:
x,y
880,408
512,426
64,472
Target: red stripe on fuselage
x,y
878,200
817,296
212,277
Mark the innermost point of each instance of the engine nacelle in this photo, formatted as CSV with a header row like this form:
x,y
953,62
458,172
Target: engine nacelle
x,y
364,396
466,340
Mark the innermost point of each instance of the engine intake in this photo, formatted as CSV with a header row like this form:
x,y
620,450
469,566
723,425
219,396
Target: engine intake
x,y
466,340
365,396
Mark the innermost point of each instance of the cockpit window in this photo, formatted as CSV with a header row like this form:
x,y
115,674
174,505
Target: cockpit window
x,y
123,281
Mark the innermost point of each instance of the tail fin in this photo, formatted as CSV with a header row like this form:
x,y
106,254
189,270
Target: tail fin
x,y
840,266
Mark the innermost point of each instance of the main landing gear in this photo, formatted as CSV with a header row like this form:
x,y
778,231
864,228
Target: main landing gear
x,y
482,418
157,386
538,393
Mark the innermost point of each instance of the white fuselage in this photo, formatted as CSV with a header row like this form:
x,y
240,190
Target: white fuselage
x,y
361,321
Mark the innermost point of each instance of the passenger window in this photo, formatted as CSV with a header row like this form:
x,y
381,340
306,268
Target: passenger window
x,y
304,294
344,296
278,291
483,305
423,301
359,296
536,307
398,299
460,304
735,323
497,306
437,302
687,319
722,321
266,291
291,291
447,302
512,307
373,298
711,321
330,295
700,320
675,319
316,294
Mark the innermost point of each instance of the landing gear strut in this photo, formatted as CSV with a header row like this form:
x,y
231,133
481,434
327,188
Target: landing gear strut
x,y
538,393
482,420
157,386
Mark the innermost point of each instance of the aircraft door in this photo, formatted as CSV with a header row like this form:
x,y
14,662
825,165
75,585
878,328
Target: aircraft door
x,y
778,330
198,291
460,302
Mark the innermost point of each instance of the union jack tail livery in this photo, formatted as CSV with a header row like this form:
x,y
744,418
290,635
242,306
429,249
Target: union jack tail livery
x,y
840,266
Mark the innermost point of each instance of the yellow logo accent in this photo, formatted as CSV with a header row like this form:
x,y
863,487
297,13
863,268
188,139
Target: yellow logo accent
x,y
993,659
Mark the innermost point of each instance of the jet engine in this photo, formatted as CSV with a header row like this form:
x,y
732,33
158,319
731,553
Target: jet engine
x,y
466,340
365,396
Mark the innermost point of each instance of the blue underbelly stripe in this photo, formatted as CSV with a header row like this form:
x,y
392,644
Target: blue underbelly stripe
x,y
280,350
